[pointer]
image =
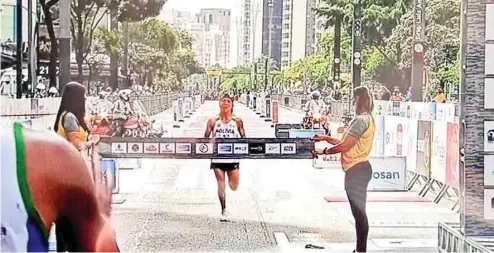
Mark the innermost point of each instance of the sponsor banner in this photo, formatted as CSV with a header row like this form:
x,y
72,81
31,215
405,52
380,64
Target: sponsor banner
x,y
424,138
393,136
225,148
275,111
282,130
109,172
432,111
183,148
489,204
257,148
204,148
288,148
388,174
241,148
410,143
268,108
119,147
151,148
488,170
262,105
175,110
180,111
325,161
378,145
438,158
134,148
167,148
304,133
453,156
273,148
128,163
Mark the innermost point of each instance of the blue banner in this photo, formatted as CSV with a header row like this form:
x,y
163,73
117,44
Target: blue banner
x,y
305,133
109,168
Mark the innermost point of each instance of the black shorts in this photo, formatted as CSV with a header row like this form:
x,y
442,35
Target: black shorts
x,y
225,166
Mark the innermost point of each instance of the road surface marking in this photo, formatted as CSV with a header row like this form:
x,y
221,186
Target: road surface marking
x,y
405,243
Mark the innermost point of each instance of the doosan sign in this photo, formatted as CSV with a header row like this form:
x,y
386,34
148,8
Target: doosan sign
x,y
388,174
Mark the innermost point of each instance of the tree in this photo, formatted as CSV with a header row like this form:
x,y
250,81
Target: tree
x,y
47,7
85,18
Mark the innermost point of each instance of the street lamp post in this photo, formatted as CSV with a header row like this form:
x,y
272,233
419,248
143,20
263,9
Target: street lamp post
x,y
64,44
356,45
418,46
18,9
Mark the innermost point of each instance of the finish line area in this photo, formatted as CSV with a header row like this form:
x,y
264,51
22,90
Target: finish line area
x,y
281,204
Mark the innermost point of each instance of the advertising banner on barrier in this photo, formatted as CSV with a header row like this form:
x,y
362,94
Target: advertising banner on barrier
x,y
452,156
410,142
262,105
175,112
275,111
438,158
388,174
109,169
186,107
432,111
424,137
268,108
304,133
393,136
326,161
378,145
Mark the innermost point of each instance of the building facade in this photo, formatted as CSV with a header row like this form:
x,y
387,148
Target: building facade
x,y
299,30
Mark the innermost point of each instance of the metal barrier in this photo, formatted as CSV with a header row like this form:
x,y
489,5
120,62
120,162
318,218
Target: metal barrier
x,y
450,239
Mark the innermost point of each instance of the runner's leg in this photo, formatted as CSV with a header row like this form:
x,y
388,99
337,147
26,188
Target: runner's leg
x,y
233,178
220,178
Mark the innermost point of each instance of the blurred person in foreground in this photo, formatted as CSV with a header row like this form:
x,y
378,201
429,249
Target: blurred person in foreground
x,y
45,179
355,147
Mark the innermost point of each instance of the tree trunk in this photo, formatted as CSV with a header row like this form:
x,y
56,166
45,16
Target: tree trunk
x,y
79,49
52,68
113,56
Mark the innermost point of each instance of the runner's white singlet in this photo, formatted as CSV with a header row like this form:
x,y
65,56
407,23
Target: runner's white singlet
x,y
22,229
225,130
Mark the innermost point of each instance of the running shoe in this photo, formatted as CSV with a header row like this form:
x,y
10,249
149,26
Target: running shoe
x,y
224,217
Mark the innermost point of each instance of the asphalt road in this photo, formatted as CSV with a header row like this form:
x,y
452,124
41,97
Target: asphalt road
x,y
172,205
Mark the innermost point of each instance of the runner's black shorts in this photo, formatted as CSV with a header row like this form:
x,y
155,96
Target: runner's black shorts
x,y
225,166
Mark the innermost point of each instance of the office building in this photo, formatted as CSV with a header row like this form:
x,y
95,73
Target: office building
x,y
299,31
217,24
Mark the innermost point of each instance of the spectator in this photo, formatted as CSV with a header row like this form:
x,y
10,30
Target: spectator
x,y
440,97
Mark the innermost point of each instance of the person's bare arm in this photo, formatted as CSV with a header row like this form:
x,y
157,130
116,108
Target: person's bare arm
x,y
209,128
331,140
240,126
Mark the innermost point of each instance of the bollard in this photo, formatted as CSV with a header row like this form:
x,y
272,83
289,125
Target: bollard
x,y
254,103
274,112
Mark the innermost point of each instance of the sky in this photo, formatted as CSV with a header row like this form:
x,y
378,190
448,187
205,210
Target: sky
x,y
196,5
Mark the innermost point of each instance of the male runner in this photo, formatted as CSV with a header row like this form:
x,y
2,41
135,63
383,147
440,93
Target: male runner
x,y
45,179
225,125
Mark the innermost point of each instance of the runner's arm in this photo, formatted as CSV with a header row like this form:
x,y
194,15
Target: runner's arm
x,y
240,126
331,140
79,203
209,128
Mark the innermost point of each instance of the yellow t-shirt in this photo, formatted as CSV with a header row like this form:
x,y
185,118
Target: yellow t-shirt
x,y
81,133
440,98
363,128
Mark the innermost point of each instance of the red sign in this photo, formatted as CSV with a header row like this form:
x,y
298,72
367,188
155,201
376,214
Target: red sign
x,y
275,111
452,156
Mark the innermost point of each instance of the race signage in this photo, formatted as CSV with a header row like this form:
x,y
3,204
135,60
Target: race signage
x,y
388,174
201,148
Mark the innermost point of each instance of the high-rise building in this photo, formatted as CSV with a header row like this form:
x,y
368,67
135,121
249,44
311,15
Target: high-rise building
x,y
245,32
262,27
217,23
299,32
